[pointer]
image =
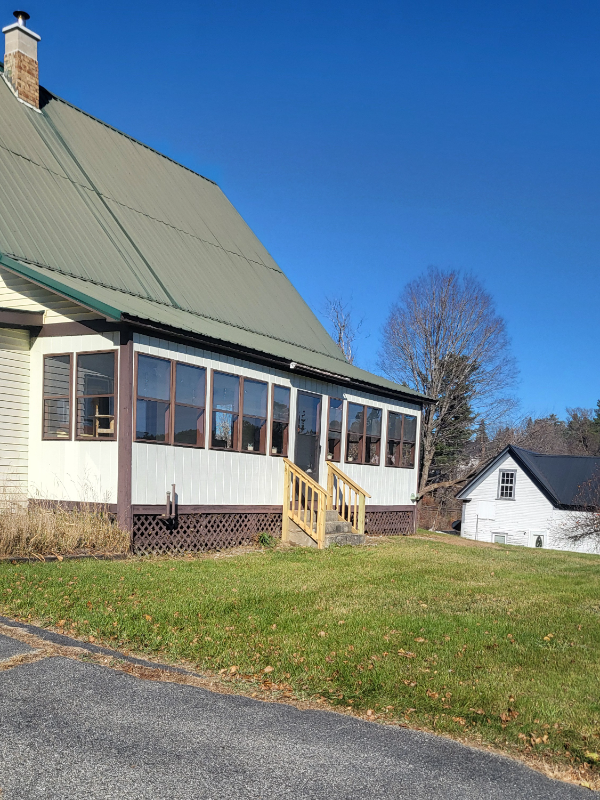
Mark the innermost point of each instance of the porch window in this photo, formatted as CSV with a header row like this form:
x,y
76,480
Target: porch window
x,y
254,416
281,421
225,411
363,443
190,399
96,395
153,407
57,397
236,399
401,440
334,429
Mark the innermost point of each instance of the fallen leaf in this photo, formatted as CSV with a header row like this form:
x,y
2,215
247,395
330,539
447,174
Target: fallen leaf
x,y
233,670
148,617
420,639
322,633
268,669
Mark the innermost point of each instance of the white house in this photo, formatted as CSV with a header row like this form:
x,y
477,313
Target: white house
x,y
155,357
525,498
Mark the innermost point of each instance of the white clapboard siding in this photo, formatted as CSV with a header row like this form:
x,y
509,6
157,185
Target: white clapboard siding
x,y
213,477
14,406
521,519
19,293
69,470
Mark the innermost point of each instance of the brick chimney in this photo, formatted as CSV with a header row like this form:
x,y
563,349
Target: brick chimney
x,y
20,60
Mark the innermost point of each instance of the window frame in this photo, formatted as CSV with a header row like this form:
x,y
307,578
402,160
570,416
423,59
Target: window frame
x,y
115,395
237,437
400,441
496,535
174,404
286,448
170,439
363,435
514,484
68,438
339,460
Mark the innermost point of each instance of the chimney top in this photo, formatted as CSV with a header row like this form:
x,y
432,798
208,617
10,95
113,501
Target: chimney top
x,y
22,17
21,60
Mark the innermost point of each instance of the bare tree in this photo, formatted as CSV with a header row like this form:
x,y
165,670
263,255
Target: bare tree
x,y
346,327
444,338
583,524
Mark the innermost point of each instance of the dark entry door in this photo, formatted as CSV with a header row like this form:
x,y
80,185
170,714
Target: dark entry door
x,y
308,434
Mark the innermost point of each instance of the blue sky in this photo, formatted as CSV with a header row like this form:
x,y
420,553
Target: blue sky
x,y
364,141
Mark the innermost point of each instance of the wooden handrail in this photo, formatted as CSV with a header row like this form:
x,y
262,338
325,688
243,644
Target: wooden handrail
x,y
304,502
346,497
311,481
346,479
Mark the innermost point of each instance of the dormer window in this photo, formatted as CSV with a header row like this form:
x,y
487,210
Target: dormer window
x,y
506,484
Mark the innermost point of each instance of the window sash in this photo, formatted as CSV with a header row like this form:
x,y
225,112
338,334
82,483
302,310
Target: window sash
x,y
91,415
363,435
251,435
400,451
280,420
334,433
61,401
167,412
506,484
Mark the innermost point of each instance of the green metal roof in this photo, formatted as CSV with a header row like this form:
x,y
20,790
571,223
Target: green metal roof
x,y
90,212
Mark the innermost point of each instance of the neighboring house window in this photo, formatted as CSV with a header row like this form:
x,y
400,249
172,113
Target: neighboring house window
x,y
57,397
334,429
401,440
96,395
229,393
537,538
281,421
363,434
500,538
506,485
171,398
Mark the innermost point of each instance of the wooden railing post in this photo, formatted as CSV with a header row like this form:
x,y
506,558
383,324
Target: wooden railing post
x,y
321,521
361,514
286,504
329,489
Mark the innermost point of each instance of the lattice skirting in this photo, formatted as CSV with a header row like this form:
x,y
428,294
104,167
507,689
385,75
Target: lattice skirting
x,y
196,532
389,523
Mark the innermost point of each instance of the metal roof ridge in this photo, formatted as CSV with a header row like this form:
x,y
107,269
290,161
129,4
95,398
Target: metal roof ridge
x,y
551,455
122,133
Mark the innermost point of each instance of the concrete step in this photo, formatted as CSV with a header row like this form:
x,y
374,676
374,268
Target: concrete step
x,y
338,527
298,537
340,538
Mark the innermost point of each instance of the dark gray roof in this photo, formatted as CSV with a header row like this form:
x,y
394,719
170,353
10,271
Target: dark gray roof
x,y
560,478
89,212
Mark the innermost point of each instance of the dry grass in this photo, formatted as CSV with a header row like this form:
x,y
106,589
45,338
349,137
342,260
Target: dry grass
x,y
42,528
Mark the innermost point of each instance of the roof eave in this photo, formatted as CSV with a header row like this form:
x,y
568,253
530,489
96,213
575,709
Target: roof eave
x,y
279,362
91,303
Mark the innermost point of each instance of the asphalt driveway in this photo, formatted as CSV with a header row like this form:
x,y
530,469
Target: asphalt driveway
x,y
74,729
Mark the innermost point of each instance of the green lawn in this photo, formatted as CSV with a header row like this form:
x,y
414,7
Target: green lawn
x,y
500,645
